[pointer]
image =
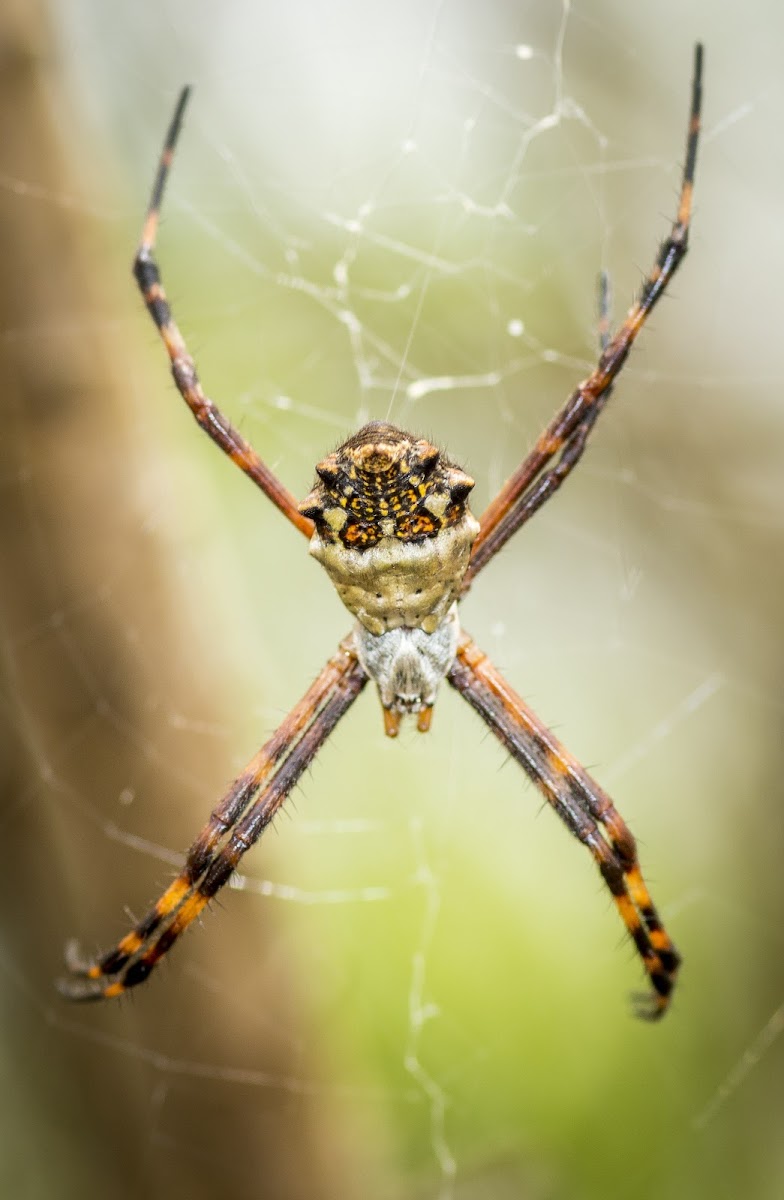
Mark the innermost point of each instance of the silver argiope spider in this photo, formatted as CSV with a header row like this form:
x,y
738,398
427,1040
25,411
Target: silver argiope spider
x,y
388,520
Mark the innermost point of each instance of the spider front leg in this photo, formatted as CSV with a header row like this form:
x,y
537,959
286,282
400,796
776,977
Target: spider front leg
x,y
535,480
583,807
235,824
210,419
572,451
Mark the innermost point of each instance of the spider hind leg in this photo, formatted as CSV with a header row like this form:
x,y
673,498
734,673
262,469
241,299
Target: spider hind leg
x,y
238,821
585,809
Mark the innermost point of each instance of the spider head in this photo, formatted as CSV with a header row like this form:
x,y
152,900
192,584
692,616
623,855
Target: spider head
x,y
393,528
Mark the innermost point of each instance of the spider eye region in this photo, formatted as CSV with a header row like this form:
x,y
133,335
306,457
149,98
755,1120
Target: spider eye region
x,y
392,528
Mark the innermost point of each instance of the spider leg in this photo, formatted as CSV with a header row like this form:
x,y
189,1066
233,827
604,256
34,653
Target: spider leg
x,y
210,419
235,824
533,482
549,482
583,807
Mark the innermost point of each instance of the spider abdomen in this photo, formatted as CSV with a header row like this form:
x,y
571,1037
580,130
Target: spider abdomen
x,y
392,528
398,584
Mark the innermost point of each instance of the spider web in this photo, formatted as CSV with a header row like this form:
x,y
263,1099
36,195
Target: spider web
x,y
400,212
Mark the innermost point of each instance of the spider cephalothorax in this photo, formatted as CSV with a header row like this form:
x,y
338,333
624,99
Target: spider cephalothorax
x,y
387,518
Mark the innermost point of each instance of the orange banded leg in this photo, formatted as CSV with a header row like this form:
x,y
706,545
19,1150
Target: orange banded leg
x,y
581,804
572,451
533,483
210,419
235,824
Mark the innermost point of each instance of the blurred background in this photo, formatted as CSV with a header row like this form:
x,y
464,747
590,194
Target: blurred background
x,y
419,987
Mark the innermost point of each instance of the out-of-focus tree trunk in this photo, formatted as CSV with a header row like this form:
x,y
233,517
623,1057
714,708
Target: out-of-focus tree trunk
x,y
80,1086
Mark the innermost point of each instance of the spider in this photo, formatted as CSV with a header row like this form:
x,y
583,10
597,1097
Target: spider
x,y
387,518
